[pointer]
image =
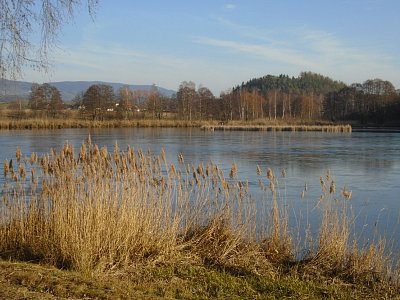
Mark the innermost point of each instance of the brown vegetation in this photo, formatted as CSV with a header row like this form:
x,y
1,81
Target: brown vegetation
x,y
36,123
324,128
98,212
72,121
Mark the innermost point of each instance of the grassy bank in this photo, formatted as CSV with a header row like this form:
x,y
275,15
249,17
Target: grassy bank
x,y
179,280
131,222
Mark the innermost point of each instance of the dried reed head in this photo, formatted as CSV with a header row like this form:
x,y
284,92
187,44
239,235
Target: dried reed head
x,y
200,170
21,172
346,194
270,174
259,171
323,186
6,168
332,188
82,153
164,156
272,187
181,160
33,158
18,155
233,171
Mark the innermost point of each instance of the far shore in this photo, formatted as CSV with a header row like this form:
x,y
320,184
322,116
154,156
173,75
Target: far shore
x,y
324,128
210,125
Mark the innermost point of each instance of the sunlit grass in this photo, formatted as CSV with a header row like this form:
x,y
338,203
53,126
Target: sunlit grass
x,y
58,123
73,120
249,127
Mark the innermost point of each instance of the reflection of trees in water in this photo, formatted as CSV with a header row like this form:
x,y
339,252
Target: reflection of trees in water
x,y
315,161
369,164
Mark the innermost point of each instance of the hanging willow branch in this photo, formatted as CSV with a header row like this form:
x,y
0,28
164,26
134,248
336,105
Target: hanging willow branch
x,y
29,31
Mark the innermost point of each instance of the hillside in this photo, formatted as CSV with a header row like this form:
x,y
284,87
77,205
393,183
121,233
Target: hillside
x,y
10,89
306,82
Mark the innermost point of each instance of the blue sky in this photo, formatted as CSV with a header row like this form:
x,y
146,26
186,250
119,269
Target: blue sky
x,y
219,44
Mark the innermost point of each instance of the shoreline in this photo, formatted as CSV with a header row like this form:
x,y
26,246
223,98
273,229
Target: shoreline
x,y
260,125
377,129
322,128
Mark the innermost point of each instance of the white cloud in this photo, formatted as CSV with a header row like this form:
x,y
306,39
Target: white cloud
x,y
249,52
267,52
304,49
230,6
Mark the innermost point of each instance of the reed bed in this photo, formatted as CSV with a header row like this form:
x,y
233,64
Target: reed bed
x,y
211,125
99,210
323,128
49,123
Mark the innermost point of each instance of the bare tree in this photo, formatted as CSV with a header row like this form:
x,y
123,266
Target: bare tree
x,y
186,96
45,98
19,19
97,99
205,100
126,102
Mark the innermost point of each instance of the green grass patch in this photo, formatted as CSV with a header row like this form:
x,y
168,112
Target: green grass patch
x,y
174,281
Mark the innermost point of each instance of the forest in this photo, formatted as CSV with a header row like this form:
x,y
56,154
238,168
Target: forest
x,y
309,97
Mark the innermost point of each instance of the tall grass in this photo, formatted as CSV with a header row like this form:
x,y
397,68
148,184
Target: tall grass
x,y
74,121
98,210
249,127
49,123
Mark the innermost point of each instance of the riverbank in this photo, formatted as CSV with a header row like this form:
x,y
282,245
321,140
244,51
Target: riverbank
x,y
78,123
323,128
210,125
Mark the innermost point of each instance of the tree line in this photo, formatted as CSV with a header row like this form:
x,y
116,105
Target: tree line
x,y
308,97
313,96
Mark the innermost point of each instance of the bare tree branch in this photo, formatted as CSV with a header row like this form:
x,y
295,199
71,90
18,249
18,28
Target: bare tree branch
x,y
20,19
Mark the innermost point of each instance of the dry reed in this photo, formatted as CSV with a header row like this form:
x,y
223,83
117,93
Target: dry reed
x,y
49,123
247,127
100,210
211,125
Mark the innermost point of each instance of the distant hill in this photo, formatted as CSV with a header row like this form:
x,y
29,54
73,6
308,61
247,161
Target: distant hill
x,y
11,90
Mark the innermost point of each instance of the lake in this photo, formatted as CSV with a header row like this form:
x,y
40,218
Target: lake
x,y
367,163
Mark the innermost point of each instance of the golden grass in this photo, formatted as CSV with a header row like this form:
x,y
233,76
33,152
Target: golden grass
x,y
73,121
98,211
245,127
49,123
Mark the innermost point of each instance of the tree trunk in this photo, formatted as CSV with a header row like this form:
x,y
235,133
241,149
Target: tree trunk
x,y
275,105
